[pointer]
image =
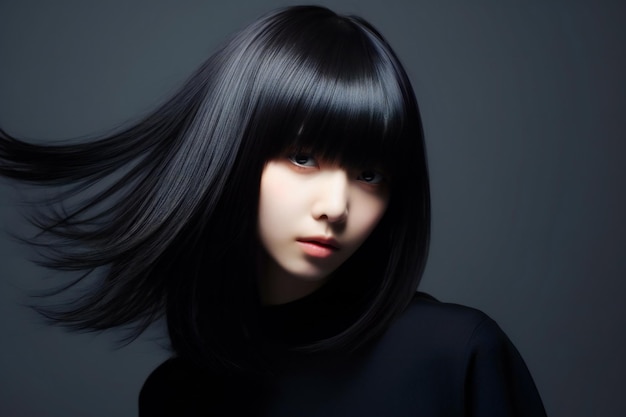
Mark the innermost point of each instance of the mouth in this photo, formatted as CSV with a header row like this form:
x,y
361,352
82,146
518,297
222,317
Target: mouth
x,y
321,241
318,247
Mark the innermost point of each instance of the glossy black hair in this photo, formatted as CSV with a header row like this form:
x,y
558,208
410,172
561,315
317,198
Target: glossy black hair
x,y
173,230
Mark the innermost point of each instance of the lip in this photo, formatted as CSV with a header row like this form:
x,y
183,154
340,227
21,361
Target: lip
x,y
318,247
321,240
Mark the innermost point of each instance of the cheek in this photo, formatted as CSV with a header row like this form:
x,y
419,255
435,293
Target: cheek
x,y
274,190
276,196
278,201
371,209
269,207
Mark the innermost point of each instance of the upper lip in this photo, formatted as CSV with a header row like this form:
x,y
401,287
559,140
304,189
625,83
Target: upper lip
x,y
322,240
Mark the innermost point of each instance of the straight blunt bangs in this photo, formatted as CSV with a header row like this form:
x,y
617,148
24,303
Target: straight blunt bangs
x,y
331,85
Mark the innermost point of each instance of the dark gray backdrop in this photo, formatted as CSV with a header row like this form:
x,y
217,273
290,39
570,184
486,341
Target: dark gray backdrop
x,y
523,110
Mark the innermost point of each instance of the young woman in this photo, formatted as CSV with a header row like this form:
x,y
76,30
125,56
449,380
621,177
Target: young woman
x,y
275,211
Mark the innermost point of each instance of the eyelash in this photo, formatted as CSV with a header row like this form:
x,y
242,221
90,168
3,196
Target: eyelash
x,y
375,176
378,177
294,159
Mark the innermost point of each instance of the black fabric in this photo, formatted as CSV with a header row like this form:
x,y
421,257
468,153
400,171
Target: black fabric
x,y
437,359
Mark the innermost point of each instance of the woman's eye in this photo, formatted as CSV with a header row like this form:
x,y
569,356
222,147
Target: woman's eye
x,y
371,177
302,159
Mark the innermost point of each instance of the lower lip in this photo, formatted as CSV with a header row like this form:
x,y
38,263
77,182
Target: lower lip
x,y
316,250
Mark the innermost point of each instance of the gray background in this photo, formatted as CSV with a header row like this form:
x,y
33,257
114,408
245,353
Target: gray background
x,y
522,103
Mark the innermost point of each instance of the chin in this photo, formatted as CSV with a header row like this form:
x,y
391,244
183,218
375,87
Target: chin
x,y
310,276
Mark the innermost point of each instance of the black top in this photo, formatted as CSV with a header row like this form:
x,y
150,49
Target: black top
x,y
437,359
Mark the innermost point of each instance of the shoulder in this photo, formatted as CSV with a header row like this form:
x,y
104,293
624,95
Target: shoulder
x,y
173,387
429,322
435,335
430,309
466,348
446,338
173,369
156,389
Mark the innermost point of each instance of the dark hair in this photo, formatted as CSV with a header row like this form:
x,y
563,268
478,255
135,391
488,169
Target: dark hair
x,y
174,229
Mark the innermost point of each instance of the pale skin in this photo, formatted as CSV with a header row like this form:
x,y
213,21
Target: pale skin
x,y
313,215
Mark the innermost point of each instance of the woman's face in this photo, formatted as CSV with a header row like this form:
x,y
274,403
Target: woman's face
x,y
313,215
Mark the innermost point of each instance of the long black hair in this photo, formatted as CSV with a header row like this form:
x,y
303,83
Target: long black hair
x,y
165,211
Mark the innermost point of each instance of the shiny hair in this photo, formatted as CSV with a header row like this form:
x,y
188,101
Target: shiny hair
x,y
166,209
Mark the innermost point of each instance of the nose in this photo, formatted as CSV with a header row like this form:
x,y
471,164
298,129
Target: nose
x,y
332,195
